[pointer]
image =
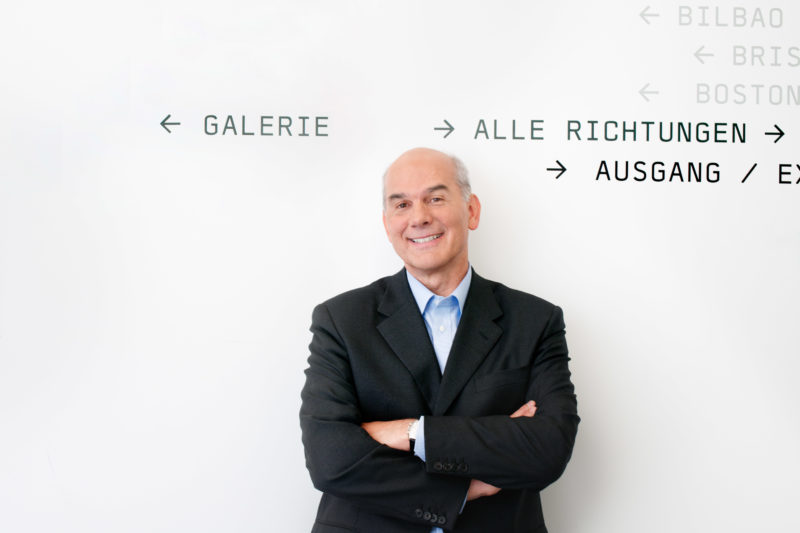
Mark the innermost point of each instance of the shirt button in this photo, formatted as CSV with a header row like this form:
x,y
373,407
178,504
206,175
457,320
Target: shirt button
x,y
441,328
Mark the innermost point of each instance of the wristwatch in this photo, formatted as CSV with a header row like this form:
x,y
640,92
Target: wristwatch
x,y
412,434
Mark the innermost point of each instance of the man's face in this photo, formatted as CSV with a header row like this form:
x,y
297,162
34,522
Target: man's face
x,y
425,215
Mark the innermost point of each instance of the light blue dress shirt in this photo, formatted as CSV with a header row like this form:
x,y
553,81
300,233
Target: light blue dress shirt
x,y
442,315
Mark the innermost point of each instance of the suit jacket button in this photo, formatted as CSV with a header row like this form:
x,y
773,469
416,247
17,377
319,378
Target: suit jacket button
x,y
426,516
442,520
437,465
418,513
448,467
434,517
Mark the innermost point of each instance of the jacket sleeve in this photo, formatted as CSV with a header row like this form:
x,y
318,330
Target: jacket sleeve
x,y
345,461
518,453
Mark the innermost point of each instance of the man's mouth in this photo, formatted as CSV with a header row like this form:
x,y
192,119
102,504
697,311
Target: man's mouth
x,y
429,238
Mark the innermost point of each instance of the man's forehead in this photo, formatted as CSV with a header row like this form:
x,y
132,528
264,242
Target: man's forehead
x,y
420,174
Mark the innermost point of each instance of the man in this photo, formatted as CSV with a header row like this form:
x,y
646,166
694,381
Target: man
x,y
435,398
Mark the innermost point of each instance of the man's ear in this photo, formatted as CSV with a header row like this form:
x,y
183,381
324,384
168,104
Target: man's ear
x,y
385,225
474,209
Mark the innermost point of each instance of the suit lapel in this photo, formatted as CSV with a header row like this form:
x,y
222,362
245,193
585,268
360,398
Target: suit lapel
x,y
477,333
404,330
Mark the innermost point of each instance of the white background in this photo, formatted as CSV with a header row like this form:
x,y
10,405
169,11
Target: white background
x,y
156,288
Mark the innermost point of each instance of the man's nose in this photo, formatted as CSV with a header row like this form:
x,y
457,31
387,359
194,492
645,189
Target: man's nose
x,y
420,214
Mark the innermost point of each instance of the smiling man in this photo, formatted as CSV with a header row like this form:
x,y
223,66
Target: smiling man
x,y
435,399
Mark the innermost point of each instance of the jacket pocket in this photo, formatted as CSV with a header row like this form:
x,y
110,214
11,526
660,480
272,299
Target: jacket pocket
x,y
502,378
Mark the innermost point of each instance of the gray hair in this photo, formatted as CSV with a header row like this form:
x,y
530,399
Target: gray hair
x,y
462,180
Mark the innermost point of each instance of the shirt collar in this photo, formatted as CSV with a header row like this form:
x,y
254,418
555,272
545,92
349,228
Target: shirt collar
x,y
422,294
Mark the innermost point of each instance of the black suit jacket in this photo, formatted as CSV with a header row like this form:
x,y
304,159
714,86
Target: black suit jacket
x,y
371,359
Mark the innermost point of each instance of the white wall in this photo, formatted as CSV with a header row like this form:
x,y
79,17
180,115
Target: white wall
x,y
156,288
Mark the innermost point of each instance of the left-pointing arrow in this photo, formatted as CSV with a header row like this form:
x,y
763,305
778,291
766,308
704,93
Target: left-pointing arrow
x,y
164,123
644,91
561,168
646,13
449,129
700,54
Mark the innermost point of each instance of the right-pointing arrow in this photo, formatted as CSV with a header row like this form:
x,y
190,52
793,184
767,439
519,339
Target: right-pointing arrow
x,y
449,129
778,133
644,91
700,54
561,169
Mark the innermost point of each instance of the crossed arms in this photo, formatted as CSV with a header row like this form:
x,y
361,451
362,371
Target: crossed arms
x,y
368,462
393,433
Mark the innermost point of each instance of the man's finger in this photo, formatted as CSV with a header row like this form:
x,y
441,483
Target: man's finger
x,y
479,489
527,409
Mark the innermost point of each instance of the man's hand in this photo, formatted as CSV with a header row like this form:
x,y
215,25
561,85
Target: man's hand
x,y
528,409
393,433
479,489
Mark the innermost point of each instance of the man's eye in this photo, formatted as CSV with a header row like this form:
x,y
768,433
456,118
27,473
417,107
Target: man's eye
x,y
402,205
436,199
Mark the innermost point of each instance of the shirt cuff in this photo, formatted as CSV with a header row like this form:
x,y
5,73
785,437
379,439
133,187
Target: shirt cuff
x,y
419,445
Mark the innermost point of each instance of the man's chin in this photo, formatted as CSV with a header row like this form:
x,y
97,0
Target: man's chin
x,y
417,267
424,268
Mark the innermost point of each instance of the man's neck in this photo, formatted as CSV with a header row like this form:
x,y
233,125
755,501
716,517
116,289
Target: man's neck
x,y
441,283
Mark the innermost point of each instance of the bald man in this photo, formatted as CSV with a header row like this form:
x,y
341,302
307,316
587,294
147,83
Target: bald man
x,y
435,399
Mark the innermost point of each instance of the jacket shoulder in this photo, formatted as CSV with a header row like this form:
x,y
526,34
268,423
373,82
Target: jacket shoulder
x,y
526,314
514,298
354,299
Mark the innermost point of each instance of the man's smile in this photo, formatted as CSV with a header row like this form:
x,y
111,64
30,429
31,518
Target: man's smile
x,y
429,238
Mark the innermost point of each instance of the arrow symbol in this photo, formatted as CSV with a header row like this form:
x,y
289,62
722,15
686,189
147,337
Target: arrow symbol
x,y
449,129
644,92
700,54
749,172
644,14
779,133
561,169
164,123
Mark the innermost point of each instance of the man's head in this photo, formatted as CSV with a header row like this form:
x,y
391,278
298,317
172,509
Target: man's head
x,y
428,210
